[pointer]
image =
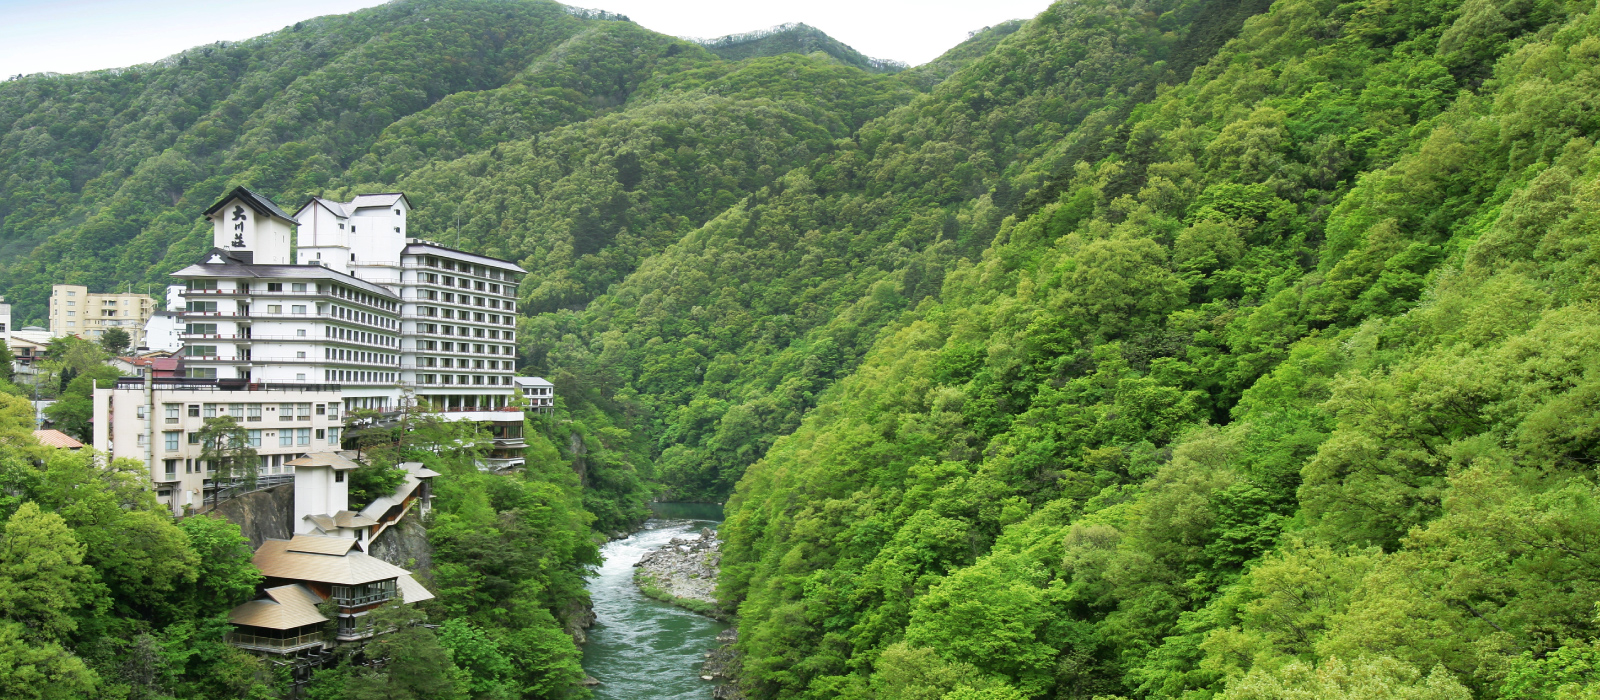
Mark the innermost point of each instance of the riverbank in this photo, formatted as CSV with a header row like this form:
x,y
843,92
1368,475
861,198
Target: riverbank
x,y
644,648
683,572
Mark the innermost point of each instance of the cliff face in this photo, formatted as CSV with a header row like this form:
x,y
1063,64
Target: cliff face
x,y
263,515
406,545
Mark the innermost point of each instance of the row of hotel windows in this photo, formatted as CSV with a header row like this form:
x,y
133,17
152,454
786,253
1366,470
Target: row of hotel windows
x,y
350,375
463,379
465,332
464,300
357,336
249,412
466,267
464,363
360,317
270,464
475,317
287,437
464,283
300,287
447,346
356,356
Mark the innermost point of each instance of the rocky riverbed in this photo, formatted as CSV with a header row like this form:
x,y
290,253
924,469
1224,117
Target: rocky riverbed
x,y
683,572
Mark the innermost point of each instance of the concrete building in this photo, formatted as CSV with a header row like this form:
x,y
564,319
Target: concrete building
x,y
540,395
164,331
368,320
158,422
74,310
5,319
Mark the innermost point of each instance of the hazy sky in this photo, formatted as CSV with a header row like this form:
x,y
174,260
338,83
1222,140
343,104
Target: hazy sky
x,y
69,36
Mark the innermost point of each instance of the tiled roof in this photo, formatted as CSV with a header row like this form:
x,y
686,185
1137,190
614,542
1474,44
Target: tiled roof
x,y
275,560
56,438
346,518
531,381
261,204
284,607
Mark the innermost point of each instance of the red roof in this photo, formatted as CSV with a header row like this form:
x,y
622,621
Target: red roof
x,y
56,438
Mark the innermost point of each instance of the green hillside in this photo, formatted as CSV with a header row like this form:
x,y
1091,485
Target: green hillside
x,y
1176,349
794,38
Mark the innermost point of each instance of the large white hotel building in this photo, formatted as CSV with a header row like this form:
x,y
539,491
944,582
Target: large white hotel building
x,y
288,339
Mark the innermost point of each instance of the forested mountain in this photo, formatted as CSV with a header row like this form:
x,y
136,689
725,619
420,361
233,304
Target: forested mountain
x,y
1155,349
794,38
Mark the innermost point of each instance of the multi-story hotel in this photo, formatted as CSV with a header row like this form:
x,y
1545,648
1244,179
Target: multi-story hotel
x,y
74,310
368,319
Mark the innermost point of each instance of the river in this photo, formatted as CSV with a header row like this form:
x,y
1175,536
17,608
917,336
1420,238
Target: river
x,y
642,648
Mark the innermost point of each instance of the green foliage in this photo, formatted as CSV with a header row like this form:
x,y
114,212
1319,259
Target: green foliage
x,y
101,592
115,341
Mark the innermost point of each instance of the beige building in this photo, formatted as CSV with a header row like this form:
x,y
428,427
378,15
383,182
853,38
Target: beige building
x,y
159,424
74,310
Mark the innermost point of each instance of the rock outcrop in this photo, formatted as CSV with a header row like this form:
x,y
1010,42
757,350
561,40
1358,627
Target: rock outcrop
x,y
262,515
405,544
683,572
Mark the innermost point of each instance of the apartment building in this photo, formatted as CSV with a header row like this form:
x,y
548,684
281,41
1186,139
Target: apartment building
x,y
74,310
158,422
367,320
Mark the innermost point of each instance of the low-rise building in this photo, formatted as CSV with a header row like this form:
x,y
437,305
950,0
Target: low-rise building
x,y
540,394
74,310
326,561
158,422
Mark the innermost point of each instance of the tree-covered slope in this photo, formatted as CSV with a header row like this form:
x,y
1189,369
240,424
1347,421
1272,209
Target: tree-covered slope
x,y
723,341
794,38
1288,393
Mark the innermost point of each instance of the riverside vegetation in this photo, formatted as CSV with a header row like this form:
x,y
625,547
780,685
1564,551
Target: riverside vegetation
x,y
1146,349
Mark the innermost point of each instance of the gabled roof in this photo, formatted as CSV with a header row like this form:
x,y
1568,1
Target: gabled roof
x,y
311,544
384,199
336,208
324,459
280,608
56,438
530,381
260,204
276,561
348,518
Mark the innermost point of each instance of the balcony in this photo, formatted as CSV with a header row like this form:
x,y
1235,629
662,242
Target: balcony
x,y
278,645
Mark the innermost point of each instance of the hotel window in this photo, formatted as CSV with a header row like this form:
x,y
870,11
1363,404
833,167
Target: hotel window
x,y
286,438
172,412
140,412
304,411
298,286
236,410
210,411
194,438
285,411
274,308
143,439
274,286
299,309
303,436
194,410
255,438
333,436
171,439
252,412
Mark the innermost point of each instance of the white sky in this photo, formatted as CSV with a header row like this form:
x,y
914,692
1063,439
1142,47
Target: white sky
x,y
70,36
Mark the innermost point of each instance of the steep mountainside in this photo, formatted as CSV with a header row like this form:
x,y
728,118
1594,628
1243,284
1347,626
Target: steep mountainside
x,y
1290,394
